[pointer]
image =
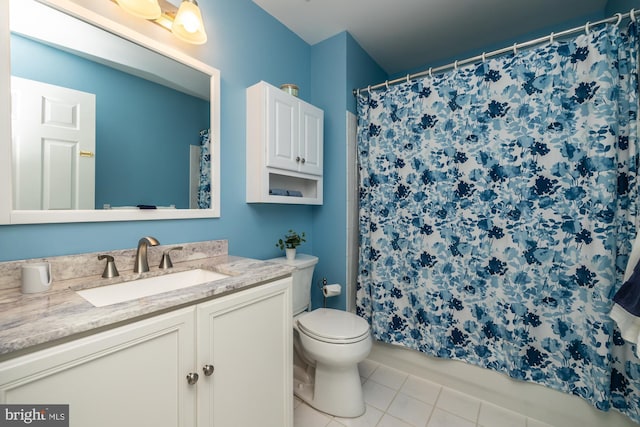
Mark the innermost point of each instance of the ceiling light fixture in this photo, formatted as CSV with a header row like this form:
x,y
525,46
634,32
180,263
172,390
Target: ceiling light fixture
x,y
184,22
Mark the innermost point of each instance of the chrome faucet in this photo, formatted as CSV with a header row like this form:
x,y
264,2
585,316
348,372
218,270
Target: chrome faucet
x,y
142,264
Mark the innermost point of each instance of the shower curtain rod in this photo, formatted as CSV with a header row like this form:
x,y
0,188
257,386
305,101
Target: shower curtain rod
x,y
617,18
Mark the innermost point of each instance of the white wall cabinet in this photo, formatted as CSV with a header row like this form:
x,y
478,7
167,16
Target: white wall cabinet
x,y
238,345
284,147
294,130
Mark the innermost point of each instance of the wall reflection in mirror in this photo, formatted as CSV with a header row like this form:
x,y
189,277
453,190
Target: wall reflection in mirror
x,y
142,146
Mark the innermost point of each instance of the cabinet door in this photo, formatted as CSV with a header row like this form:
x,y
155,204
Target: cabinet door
x,y
134,375
282,129
247,338
311,136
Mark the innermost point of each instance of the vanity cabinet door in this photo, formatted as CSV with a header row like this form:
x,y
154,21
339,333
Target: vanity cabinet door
x,y
134,375
247,339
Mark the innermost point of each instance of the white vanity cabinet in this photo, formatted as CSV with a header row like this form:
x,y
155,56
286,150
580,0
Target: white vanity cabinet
x,y
284,147
247,338
129,376
226,362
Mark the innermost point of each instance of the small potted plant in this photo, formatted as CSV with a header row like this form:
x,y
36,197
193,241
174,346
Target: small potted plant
x,y
290,242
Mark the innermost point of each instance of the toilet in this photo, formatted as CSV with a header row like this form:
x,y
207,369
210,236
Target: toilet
x,y
328,345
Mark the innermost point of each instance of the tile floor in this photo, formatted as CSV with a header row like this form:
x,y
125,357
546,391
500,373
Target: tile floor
x,y
397,399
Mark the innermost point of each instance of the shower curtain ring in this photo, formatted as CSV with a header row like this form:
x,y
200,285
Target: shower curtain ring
x,y
515,48
358,92
455,64
586,27
484,56
407,78
632,13
430,72
369,89
386,83
619,15
552,34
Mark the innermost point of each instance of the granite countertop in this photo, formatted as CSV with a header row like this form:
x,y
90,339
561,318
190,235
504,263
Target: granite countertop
x,y
31,321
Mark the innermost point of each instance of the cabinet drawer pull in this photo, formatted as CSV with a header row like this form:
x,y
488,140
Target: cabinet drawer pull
x,y
192,378
208,370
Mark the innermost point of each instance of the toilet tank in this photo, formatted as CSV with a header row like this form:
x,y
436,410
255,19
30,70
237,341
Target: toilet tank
x,y
302,276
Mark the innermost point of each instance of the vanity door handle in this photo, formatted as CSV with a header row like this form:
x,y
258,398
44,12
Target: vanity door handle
x,y
208,370
192,378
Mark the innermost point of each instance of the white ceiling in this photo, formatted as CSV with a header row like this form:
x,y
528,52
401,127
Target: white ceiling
x,y
401,35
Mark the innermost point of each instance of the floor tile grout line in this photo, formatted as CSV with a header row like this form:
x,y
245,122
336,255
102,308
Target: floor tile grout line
x,y
386,412
478,413
397,392
435,403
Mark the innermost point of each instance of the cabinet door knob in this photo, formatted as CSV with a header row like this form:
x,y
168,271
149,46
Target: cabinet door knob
x,y
297,158
303,160
208,370
192,378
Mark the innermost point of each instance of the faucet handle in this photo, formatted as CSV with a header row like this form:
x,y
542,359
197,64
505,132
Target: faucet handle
x,y
110,269
166,259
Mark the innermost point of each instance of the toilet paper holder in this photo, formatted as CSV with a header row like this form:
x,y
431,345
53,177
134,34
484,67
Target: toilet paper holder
x,y
329,291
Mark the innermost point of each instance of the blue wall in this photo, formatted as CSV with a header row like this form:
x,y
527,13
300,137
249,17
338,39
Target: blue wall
x,y
140,126
621,6
338,64
328,69
362,71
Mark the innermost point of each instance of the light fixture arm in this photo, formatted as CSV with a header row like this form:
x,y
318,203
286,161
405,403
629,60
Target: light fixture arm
x,y
184,22
145,9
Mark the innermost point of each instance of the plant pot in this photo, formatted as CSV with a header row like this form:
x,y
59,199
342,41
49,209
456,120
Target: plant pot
x,y
291,253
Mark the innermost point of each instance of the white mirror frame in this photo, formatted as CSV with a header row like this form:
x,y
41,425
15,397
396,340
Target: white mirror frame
x,y
10,216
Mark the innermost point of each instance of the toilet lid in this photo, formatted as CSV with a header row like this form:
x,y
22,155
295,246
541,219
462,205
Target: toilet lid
x,y
331,325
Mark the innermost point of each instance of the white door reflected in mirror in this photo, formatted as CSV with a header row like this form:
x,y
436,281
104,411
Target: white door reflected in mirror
x,y
54,146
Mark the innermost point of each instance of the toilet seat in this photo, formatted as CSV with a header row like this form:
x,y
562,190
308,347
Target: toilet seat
x,y
333,326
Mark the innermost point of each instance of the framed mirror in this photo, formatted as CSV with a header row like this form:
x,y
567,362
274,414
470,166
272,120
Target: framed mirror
x,y
101,123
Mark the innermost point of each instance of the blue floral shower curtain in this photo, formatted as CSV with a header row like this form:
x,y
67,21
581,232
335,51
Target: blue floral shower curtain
x,y
204,187
498,207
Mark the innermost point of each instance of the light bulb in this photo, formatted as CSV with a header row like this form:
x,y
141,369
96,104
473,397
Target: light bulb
x,y
190,22
188,25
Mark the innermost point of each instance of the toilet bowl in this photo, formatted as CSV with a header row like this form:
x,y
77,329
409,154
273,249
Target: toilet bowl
x,y
328,345
333,342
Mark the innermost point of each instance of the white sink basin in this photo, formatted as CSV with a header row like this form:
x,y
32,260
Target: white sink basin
x,y
127,291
